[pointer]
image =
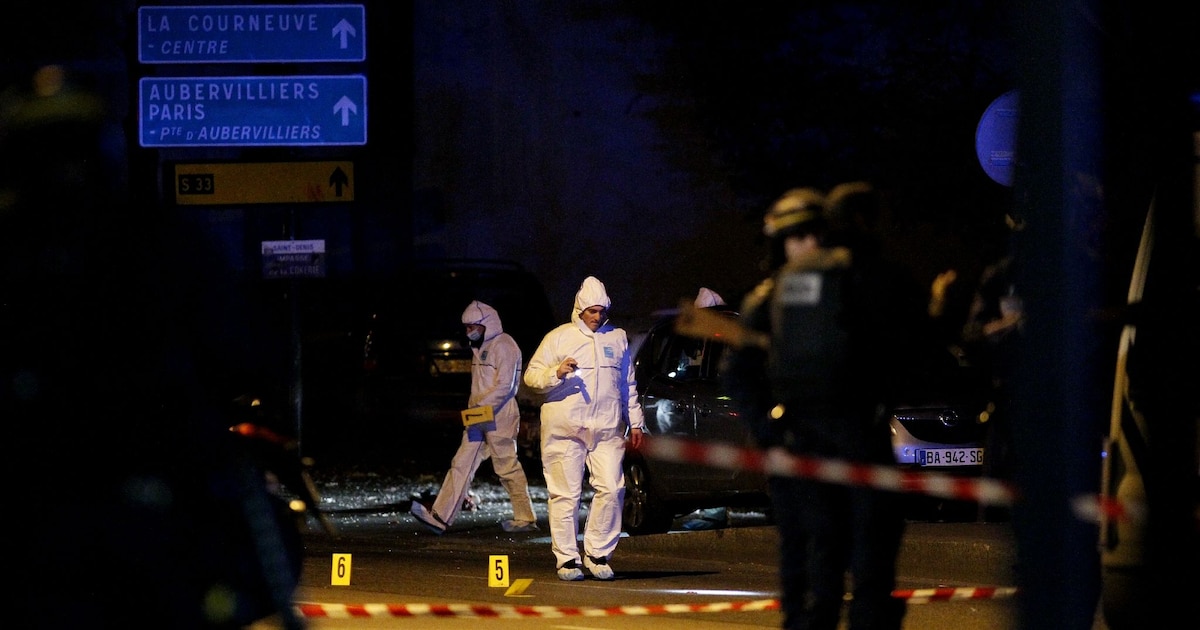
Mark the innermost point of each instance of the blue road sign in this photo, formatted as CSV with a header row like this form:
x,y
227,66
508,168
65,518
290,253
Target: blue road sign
x,y
252,34
293,259
274,111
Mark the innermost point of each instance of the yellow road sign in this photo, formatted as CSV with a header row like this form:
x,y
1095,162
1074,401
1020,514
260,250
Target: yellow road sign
x,y
264,182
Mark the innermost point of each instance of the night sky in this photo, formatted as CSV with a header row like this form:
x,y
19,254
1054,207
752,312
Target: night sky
x,y
638,142
642,144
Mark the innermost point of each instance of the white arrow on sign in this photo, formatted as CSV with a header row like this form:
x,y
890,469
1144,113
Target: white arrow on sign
x,y
344,29
345,107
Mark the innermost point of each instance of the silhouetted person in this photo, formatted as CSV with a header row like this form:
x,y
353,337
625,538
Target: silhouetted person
x,y
992,337
143,510
835,325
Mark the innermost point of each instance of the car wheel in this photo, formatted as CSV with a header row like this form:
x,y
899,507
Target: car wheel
x,y
643,512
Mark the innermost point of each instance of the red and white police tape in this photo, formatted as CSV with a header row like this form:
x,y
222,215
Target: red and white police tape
x,y
348,611
345,611
777,461
926,595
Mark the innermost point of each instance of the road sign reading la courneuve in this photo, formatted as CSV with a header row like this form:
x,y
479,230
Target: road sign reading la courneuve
x,y
252,111
252,34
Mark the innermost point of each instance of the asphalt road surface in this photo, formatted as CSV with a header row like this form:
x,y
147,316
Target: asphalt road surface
x,y
702,578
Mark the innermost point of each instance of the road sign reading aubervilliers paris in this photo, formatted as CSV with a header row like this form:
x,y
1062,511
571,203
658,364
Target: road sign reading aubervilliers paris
x,y
252,111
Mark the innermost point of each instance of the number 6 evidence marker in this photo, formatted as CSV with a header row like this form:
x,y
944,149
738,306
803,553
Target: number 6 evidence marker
x,y
341,570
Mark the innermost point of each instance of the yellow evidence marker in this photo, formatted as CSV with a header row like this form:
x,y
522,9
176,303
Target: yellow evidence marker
x,y
498,571
518,588
341,570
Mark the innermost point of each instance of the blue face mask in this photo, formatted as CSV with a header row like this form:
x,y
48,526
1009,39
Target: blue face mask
x,y
475,335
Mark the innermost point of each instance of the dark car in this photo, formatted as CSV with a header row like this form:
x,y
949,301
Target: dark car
x,y
402,396
942,426
679,389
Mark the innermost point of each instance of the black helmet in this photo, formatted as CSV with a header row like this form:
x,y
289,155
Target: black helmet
x,y
798,211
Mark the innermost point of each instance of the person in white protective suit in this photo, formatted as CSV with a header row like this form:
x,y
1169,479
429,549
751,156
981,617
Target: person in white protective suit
x,y
707,298
586,372
495,374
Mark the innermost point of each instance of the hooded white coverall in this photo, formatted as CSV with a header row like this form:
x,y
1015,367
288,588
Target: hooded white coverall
x,y
495,370
584,420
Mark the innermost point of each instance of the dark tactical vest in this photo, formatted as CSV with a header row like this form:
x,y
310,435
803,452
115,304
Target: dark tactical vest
x,y
819,364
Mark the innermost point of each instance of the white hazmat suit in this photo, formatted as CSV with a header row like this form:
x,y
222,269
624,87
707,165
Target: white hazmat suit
x,y
584,421
495,370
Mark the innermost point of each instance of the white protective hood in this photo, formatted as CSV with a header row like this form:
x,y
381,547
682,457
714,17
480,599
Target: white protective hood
x,y
479,313
591,293
707,298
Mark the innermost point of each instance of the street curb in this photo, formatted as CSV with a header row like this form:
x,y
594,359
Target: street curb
x,y
753,545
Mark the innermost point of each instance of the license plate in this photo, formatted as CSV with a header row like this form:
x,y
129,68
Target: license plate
x,y
453,366
949,457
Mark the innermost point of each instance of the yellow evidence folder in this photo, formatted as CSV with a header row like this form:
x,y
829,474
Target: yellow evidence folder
x,y
478,421
476,415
